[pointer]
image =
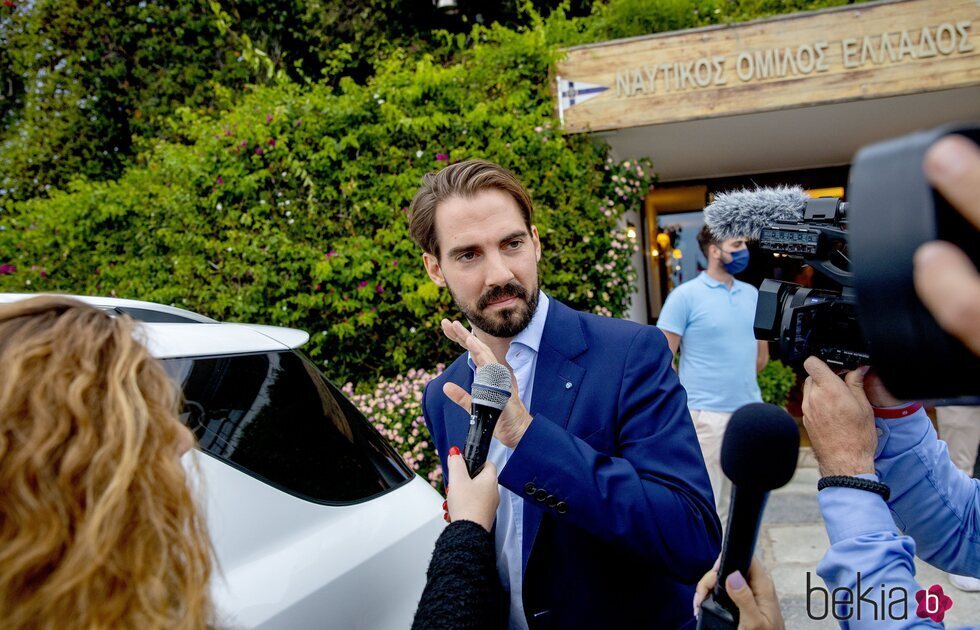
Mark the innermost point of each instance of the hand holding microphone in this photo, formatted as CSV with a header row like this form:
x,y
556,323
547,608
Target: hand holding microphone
x,y
758,454
758,605
473,499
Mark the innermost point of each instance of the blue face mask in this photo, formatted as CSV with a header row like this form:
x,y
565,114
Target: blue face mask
x,y
740,261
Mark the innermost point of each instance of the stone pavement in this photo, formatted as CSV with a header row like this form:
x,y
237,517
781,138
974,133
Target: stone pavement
x,y
792,541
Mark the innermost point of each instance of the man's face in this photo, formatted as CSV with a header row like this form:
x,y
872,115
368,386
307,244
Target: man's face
x,y
488,260
726,247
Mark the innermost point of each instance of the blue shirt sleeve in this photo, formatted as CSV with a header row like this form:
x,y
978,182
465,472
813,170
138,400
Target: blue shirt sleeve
x,y
936,505
931,500
675,313
867,550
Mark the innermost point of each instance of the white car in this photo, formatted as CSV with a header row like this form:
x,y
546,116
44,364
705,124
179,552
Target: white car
x,y
316,521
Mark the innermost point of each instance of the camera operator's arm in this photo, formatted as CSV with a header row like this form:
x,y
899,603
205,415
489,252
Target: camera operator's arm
x,y
945,278
931,500
864,539
763,357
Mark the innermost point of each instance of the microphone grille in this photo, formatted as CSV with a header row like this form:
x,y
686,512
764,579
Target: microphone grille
x,y
761,447
492,385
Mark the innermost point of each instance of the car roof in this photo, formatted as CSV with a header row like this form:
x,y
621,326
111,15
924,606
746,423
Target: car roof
x,y
174,332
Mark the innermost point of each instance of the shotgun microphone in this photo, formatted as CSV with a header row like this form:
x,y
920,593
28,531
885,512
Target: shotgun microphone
x,y
758,454
490,393
744,213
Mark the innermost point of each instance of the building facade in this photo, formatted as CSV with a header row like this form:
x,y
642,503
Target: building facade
x,y
785,100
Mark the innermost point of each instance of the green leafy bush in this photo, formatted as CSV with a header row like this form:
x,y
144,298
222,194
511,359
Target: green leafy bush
x,y
289,209
775,381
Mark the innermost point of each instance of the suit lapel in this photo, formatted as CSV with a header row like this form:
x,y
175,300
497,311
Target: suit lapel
x,y
556,383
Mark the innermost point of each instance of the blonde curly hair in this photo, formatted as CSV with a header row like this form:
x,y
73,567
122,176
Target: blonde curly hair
x,y
98,525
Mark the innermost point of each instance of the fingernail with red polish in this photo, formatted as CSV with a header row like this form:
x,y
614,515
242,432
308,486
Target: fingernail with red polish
x,y
445,505
454,451
735,581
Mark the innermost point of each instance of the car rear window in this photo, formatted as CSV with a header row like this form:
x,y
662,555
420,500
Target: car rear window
x,y
274,416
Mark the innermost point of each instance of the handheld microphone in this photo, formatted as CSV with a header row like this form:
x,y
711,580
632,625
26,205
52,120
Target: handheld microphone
x,y
490,393
758,454
743,213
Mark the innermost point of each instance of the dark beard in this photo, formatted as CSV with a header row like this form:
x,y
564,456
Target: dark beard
x,y
506,323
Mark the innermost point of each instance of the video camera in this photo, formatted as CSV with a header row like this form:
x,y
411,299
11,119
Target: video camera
x,y
865,246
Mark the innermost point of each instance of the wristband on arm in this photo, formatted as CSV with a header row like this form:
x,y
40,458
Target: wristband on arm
x,y
856,483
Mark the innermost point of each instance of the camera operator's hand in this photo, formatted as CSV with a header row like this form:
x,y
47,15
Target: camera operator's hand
x,y
945,278
758,606
839,420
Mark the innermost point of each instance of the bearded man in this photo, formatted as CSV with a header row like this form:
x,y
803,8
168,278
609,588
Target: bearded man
x,y
606,516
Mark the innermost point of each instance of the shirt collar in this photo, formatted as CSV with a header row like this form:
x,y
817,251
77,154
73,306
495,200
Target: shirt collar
x,y
711,282
531,336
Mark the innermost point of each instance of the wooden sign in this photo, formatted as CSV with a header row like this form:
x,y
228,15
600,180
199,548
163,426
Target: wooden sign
x,y
851,53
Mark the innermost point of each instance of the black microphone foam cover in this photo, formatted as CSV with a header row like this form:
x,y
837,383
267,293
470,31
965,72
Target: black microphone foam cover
x,y
761,447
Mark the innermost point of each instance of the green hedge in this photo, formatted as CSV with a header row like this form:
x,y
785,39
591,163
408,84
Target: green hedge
x,y
289,209
775,382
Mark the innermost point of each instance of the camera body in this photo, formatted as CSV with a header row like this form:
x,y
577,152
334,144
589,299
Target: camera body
x,y
866,247
805,321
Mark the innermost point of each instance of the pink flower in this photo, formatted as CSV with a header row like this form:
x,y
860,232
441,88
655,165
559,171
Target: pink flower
x,y
362,284
272,142
220,181
331,253
6,270
258,151
379,289
441,157
268,118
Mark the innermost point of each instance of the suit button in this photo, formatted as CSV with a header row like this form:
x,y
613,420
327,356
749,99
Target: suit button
x,y
551,501
541,495
529,488
562,507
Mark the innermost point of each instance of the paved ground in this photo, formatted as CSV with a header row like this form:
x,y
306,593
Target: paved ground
x,y
792,541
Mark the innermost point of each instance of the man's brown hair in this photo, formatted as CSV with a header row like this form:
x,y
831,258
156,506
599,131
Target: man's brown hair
x,y
463,179
706,239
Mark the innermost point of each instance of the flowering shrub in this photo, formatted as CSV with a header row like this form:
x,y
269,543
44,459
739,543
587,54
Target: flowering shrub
x,y
395,410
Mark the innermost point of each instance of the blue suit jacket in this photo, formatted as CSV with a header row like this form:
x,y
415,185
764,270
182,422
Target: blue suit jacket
x,y
619,519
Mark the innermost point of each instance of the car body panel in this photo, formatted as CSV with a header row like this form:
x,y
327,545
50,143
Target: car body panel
x,y
287,568
111,303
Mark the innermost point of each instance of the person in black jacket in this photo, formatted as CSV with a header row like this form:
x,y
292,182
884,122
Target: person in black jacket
x,y
462,590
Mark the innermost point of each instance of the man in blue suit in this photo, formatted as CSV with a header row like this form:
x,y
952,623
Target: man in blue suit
x,y
606,516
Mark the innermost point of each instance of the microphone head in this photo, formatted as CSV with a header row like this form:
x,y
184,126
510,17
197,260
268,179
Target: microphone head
x,y
491,386
743,213
761,447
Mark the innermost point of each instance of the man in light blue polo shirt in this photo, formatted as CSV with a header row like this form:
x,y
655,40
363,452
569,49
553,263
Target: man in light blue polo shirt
x,y
710,319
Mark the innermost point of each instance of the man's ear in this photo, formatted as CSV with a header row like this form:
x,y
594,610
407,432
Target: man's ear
x,y
434,270
537,243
